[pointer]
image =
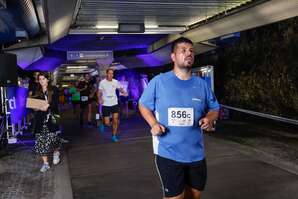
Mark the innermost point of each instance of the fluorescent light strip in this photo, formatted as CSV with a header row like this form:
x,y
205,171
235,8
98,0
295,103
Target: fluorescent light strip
x,y
158,30
77,67
106,27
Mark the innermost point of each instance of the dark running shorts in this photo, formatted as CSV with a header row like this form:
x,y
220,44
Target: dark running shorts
x,y
175,175
85,103
107,110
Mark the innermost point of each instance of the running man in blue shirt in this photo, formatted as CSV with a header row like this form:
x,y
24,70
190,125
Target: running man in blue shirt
x,y
177,106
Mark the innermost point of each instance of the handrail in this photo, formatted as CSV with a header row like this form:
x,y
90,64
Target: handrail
x,y
273,117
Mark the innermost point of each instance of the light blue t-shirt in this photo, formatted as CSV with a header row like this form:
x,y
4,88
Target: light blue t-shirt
x,y
179,105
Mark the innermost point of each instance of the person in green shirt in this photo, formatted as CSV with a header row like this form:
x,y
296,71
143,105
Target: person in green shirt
x,y
75,97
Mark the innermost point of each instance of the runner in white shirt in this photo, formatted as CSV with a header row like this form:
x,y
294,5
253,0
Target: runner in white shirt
x,y
108,98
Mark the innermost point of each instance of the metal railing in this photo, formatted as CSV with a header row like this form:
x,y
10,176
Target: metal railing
x,y
264,115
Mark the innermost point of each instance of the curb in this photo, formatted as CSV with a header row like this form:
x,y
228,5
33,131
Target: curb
x,y
62,182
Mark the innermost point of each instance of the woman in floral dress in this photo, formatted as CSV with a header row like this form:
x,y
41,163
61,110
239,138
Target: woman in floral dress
x,y
47,142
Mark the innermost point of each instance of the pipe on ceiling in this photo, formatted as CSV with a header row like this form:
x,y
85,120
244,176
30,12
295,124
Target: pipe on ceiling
x,y
58,17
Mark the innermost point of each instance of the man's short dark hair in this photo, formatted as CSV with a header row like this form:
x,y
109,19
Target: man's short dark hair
x,y
85,74
179,41
109,69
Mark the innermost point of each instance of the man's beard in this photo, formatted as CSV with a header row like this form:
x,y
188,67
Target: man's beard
x,y
185,68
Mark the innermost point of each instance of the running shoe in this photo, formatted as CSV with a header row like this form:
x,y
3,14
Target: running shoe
x,y
56,157
114,138
45,167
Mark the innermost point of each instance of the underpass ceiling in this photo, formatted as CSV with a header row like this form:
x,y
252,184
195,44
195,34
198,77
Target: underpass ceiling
x,y
93,18
104,15
98,18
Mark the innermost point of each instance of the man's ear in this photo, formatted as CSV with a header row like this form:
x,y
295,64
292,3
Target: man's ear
x,y
173,57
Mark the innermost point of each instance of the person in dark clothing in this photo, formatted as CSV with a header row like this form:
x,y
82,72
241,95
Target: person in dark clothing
x,y
85,87
32,89
33,84
47,141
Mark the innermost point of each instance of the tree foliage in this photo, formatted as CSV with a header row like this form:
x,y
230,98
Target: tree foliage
x,y
260,72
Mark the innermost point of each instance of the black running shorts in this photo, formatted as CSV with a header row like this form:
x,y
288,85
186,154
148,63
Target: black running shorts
x,y
175,175
107,110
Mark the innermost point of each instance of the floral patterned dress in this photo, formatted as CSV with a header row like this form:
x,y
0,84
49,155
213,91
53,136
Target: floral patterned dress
x,y
45,132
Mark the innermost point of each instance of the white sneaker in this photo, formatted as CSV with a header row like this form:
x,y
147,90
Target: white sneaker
x,y
45,167
56,157
63,141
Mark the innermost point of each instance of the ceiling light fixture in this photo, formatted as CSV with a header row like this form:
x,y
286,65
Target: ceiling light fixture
x,y
77,67
151,30
151,26
106,27
131,28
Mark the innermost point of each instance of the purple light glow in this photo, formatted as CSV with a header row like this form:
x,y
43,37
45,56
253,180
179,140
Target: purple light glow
x,y
27,56
145,60
150,60
46,64
135,87
26,142
104,42
17,103
157,58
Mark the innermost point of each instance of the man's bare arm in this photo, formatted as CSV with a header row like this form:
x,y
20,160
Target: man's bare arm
x,y
212,115
208,121
99,96
122,91
156,128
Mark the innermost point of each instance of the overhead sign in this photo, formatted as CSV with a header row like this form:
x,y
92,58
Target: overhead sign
x,y
77,55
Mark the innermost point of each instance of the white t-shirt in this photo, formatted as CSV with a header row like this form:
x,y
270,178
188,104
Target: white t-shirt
x,y
108,89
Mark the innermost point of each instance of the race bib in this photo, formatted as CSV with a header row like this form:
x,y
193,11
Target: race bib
x,y
180,116
84,98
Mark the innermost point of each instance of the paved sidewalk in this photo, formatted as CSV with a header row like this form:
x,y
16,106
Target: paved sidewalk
x,y
20,177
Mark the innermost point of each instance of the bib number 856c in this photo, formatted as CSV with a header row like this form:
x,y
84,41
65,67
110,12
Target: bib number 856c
x,y
180,116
